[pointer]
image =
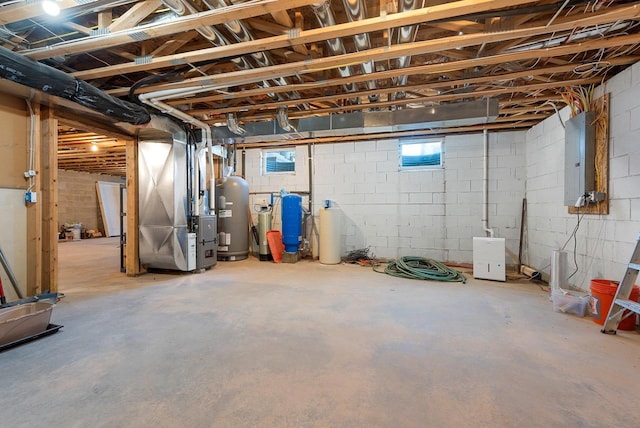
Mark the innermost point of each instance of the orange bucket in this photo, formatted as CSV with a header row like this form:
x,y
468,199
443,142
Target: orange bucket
x,y
605,290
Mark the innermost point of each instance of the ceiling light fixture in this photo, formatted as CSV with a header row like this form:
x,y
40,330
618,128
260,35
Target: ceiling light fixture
x,y
51,7
94,146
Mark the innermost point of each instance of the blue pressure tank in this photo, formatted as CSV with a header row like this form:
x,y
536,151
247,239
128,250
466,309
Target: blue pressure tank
x,y
291,222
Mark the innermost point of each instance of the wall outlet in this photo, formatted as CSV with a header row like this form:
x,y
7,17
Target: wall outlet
x,y
596,196
30,197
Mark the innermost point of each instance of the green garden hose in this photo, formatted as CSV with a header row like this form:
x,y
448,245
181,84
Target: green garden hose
x,y
421,268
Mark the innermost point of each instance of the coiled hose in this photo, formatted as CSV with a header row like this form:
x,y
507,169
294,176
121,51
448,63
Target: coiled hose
x,y
421,268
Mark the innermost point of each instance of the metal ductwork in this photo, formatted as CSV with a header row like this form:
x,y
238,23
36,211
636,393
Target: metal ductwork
x,y
283,119
241,33
216,38
356,10
357,123
27,72
406,34
326,18
163,195
233,125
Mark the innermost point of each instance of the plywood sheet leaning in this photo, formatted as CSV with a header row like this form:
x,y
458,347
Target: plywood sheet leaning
x,y
109,199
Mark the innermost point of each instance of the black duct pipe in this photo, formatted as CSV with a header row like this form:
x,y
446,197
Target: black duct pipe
x,y
49,80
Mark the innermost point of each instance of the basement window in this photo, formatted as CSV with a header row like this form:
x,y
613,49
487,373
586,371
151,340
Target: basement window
x,y
279,161
420,154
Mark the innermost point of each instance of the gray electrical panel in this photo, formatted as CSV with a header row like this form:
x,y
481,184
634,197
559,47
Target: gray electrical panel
x,y
206,241
579,157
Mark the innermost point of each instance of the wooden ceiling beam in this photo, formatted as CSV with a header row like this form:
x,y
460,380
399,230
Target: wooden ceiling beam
x,y
343,30
419,89
173,45
459,26
267,26
185,23
419,100
134,15
377,54
421,70
77,27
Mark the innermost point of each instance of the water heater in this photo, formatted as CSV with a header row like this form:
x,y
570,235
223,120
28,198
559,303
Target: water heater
x,y
232,207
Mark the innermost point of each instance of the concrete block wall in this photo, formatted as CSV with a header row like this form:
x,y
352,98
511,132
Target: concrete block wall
x,y
604,243
78,199
429,213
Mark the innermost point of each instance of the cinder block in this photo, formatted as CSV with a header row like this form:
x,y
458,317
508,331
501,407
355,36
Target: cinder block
x,y
344,170
354,157
320,149
366,167
365,146
619,166
458,185
386,166
353,198
420,198
344,148
620,123
376,156
619,83
387,145
375,198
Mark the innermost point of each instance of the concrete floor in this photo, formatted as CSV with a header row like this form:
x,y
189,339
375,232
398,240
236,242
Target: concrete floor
x,y
306,345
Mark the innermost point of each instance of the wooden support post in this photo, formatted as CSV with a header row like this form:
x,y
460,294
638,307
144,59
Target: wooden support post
x,y
132,257
34,213
49,201
105,18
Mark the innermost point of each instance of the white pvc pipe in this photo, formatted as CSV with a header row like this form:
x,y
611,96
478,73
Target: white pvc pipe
x,y
485,185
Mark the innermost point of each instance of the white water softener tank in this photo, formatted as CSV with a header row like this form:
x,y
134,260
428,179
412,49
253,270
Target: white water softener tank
x,y
330,234
232,209
264,225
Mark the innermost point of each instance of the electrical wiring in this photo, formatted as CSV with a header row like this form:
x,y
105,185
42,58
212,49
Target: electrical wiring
x,y
573,236
415,267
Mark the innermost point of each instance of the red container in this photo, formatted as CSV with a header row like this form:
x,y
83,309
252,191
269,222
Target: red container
x,y
274,239
605,290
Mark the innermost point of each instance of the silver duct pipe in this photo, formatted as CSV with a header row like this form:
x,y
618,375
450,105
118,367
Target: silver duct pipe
x,y
356,10
406,34
234,125
326,18
283,120
241,33
185,7
370,122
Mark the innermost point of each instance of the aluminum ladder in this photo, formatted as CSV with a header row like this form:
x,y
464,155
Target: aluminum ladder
x,y
621,300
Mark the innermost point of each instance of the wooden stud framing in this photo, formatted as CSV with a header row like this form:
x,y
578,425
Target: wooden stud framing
x,y
49,200
34,214
132,258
